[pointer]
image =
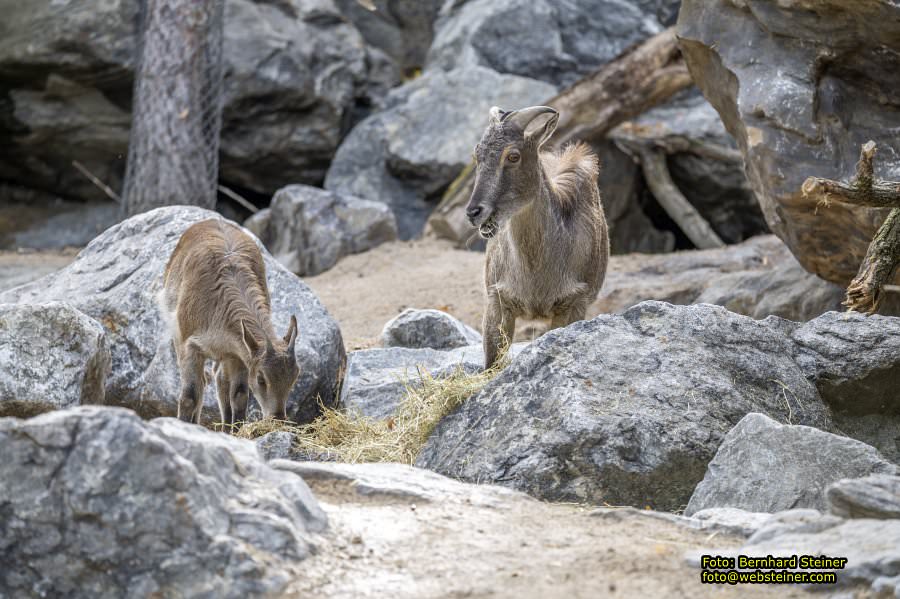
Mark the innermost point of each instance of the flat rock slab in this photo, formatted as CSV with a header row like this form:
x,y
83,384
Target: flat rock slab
x,y
871,547
764,466
625,409
99,503
115,280
51,356
873,496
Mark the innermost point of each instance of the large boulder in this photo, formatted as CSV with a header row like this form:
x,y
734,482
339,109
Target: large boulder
x,y
407,154
309,229
800,86
433,329
51,356
294,73
98,503
625,409
806,459
873,496
115,280
556,42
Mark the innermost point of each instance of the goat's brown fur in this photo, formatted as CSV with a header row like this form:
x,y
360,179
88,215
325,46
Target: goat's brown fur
x,y
217,305
548,243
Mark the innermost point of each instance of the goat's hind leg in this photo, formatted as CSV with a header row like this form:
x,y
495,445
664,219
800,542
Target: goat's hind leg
x,y
571,313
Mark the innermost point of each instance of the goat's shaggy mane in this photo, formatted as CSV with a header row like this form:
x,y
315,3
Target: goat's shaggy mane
x,y
565,169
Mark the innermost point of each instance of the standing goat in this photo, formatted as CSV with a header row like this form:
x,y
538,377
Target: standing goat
x,y
218,307
548,244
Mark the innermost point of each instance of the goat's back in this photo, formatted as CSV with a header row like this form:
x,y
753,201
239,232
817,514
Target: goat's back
x,y
215,277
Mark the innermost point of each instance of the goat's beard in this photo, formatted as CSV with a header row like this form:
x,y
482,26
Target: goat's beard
x,y
489,227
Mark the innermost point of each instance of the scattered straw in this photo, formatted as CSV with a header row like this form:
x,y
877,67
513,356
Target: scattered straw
x,y
352,437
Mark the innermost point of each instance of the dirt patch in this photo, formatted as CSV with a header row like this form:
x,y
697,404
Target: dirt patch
x,y
517,547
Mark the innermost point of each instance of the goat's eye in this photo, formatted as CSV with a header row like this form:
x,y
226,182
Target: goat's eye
x,y
513,157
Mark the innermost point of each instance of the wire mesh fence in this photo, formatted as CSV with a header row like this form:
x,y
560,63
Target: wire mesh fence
x,y
173,153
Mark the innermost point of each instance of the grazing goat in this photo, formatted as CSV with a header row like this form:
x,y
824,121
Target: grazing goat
x,y
217,303
548,244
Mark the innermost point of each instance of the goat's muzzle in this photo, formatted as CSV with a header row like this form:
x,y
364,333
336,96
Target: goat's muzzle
x,y
489,227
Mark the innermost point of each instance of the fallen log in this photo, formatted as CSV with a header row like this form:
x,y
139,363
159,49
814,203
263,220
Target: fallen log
x,y
877,269
635,81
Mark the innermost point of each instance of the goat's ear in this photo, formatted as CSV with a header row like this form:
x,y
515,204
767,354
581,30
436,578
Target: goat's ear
x,y
291,335
542,132
497,115
249,342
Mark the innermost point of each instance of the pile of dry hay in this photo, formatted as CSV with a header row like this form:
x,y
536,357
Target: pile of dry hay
x,y
352,437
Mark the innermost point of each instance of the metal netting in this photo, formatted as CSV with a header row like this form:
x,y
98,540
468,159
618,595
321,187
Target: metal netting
x,y
173,153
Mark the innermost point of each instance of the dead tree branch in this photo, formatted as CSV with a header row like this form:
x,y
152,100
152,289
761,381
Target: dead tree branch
x,y
864,293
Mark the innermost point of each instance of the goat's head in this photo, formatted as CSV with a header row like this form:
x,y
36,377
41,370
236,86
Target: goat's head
x,y
273,370
507,171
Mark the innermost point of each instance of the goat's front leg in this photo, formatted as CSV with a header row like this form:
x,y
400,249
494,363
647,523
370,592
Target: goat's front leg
x,y
240,394
498,326
193,381
223,393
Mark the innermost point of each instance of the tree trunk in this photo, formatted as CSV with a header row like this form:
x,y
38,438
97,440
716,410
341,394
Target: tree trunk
x,y
173,154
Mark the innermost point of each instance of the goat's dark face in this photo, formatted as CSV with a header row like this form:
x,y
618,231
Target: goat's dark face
x,y
507,170
273,370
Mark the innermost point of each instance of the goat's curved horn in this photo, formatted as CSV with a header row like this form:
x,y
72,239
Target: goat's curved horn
x,y
523,117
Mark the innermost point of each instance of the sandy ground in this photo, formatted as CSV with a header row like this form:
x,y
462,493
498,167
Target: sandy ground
x,y
515,547
18,268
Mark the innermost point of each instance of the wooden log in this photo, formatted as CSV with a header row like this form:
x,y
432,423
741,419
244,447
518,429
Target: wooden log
x,y
638,79
688,219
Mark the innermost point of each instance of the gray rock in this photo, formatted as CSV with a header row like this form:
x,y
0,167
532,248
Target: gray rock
x,y
115,280
758,277
396,482
874,496
281,445
733,520
98,503
403,29
432,329
309,229
556,42
854,361
69,224
411,151
624,409
51,356
376,379
294,72
872,547
791,81
806,460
